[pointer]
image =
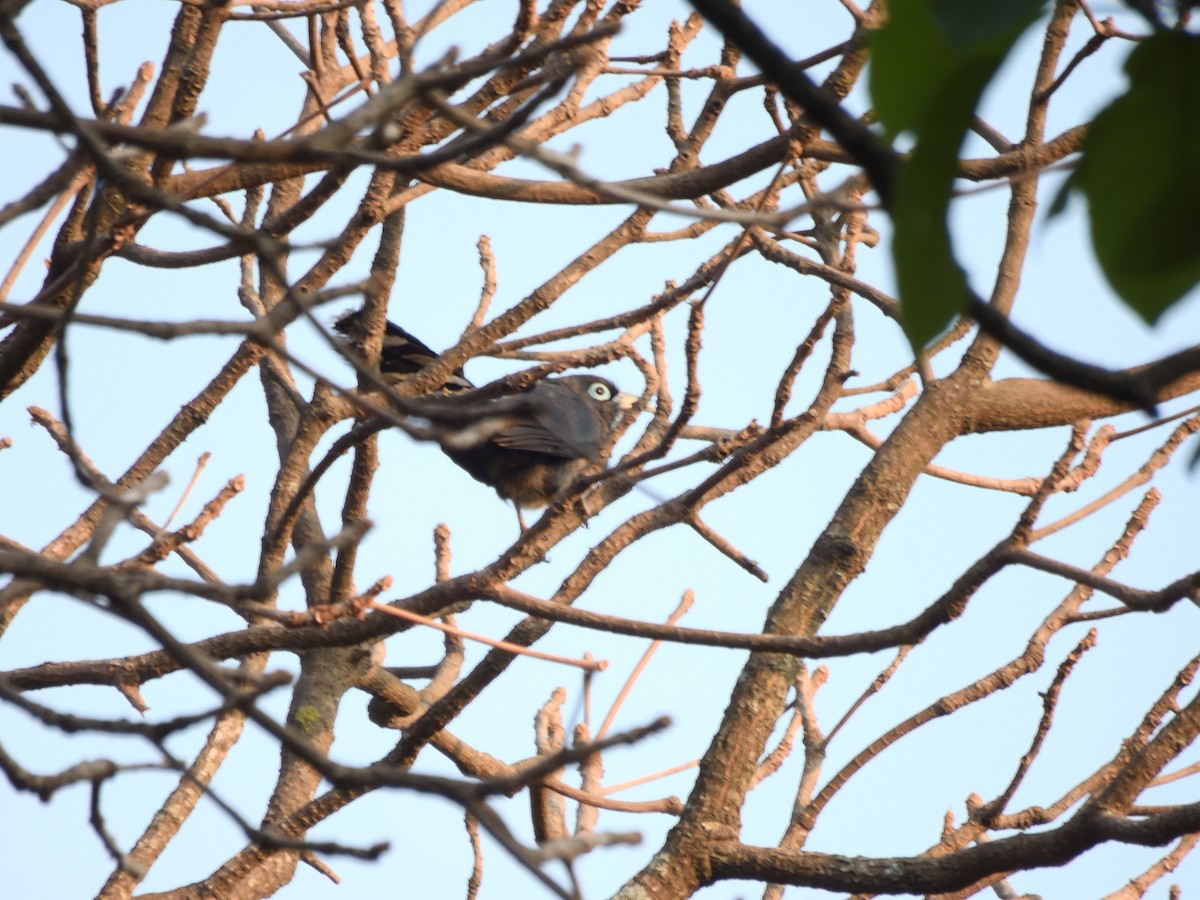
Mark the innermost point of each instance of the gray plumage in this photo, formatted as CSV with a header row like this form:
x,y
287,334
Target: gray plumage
x,y
528,446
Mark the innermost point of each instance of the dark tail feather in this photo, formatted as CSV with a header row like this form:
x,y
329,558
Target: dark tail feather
x,y
402,354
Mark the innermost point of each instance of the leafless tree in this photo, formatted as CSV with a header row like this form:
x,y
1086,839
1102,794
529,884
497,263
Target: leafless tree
x,y
378,119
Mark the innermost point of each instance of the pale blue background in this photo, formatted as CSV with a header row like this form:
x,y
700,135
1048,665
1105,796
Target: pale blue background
x,y
125,388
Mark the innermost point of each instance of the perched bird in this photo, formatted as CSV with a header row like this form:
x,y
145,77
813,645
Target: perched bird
x,y
402,355
528,446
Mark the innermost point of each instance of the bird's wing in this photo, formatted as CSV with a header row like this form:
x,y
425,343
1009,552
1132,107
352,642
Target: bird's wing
x,y
537,438
557,421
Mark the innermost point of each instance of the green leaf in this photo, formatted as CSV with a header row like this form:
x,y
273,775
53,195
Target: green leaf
x,y
1140,172
925,43
976,30
930,64
909,59
933,288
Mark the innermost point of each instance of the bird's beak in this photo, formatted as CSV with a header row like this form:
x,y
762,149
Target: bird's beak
x,y
626,402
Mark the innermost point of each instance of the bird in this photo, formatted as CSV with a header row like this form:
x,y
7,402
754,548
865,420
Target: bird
x,y
401,356
529,446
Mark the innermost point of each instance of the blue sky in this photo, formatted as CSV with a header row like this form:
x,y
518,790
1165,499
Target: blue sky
x,y
126,387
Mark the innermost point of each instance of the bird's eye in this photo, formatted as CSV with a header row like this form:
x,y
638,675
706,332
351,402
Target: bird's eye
x,y
598,390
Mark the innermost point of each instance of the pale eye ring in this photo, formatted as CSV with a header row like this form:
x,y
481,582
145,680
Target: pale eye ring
x,y
598,390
